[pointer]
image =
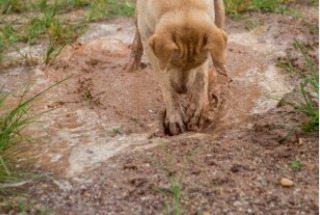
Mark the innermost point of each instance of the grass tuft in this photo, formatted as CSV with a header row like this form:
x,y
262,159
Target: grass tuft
x,y
237,8
174,193
104,8
296,165
11,6
314,2
45,21
308,102
12,122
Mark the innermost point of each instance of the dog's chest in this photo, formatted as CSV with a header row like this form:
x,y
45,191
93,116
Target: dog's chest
x,y
181,80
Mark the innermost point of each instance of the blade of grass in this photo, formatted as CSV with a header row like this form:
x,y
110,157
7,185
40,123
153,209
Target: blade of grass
x,y
12,122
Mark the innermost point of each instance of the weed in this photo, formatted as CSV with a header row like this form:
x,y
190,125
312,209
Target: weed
x,y
87,90
286,10
236,8
53,50
296,165
69,5
173,203
48,27
6,38
238,16
116,131
314,2
314,30
46,24
173,195
19,6
252,24
12,122
121,8
2,47
78,3
308,102
266,5
103,8
9,6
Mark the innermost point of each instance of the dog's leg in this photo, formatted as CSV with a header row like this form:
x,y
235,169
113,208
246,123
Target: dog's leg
x,y
174,114
136,53
219,13
199,97
220,22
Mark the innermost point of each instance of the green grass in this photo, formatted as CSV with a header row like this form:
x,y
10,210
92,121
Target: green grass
x,y
110,7
314,2
174,193
237,8
11,6
42,20
173,204
173,200
104,8
251,24
296,165
12,122
45,26
308,102
266,5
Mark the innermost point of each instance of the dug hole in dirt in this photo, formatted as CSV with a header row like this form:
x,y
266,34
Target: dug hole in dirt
x,y
99,148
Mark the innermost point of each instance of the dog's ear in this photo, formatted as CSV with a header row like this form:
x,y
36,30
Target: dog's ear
x,y
217,44
163,47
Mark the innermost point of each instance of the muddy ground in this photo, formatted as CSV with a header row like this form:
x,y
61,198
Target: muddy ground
x,y
101,148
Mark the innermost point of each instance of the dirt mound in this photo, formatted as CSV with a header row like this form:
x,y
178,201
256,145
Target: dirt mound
x,y
235,172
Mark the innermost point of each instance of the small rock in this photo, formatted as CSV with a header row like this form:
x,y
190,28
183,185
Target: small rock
x,y
301,141
250,126
286,182
237,203
249,211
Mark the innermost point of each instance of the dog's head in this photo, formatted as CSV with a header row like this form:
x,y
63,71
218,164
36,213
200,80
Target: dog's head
x,y
188,46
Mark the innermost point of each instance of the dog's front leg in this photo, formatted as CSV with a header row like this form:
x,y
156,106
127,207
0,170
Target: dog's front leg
x,y
174,115
199,97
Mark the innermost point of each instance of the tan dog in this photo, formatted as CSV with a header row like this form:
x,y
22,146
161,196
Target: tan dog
x,y
178,36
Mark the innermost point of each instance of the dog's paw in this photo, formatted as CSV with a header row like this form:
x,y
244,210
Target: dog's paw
x,y
174,123
195,113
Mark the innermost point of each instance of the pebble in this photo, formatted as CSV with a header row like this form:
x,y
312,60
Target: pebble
x,y
286,182
250,126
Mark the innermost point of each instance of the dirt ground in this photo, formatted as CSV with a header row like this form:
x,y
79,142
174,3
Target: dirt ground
x,y
101,146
